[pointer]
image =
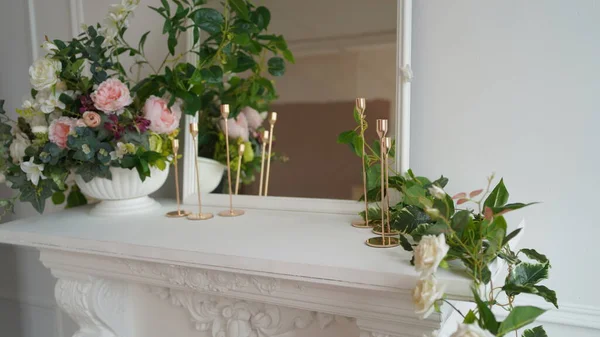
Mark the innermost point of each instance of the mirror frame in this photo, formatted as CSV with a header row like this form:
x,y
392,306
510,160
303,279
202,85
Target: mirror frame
x,y
402,104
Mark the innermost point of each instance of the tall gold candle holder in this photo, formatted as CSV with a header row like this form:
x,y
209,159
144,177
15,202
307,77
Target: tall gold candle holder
x,y
179,213
272,121
383,241
241,150
199,215
386,228
231,212
361,106
262,161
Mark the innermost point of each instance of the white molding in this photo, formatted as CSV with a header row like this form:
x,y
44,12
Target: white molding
x,y
341,44
33,29
308,204
403,86
77,18
568,314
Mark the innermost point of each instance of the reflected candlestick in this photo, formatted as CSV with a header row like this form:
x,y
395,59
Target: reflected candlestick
x,y
179,213
262,161
199,215
272,121
241,151
231,212
361,106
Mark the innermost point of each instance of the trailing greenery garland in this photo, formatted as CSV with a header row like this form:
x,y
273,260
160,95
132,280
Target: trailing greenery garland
x,y
467,232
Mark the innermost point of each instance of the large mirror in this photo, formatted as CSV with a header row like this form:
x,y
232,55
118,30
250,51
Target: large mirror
x,y
342,49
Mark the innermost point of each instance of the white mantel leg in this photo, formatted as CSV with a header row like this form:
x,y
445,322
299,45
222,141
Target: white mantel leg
x,y
97,305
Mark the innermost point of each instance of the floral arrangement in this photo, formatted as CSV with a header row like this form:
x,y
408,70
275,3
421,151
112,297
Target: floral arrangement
x,y
466,232
87,113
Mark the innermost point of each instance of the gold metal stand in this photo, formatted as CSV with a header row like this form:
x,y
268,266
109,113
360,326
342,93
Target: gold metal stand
x,y
199,215
383,241
241,151
262,161
179,213
231,212
272,121
361,106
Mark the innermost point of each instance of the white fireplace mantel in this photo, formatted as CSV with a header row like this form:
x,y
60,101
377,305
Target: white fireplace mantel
x,y
267,273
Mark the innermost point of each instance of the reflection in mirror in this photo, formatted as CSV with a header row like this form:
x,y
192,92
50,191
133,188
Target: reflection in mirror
x,y
342,49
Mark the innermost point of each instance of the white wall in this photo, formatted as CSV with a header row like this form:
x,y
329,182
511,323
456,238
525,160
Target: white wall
x,y
512,86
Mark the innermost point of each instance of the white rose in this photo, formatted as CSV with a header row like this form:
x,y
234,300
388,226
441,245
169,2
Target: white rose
x,y
17,148
429,253
425,294
437,192
43,73
471,330
49,46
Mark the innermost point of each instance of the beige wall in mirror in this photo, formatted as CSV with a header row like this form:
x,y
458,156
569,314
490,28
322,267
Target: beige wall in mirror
x,y
343,49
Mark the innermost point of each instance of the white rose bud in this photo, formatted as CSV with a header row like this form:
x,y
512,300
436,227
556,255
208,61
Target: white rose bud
x,y
43,73
425,294
49,46
471,330
437,192
429,253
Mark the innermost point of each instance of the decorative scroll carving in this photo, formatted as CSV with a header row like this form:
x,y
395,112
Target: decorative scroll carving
x,y
208,280
98,306
225,317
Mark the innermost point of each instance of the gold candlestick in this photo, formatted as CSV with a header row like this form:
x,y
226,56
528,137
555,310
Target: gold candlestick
x,y
386,228
272,121
383,241
361,106
241,150
231,212
262,161
199,215
179,213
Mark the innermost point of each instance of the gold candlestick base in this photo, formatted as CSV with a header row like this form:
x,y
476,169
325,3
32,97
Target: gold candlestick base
x,y
232,213
377,230
178,214
385,242
200,216
361,224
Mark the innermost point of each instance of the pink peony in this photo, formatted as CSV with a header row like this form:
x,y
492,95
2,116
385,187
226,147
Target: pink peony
x,y
162,120
59,130
237,127
111,96
254,118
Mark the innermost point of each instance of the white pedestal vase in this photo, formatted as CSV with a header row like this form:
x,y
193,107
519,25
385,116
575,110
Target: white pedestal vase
x,y
211,173
125,193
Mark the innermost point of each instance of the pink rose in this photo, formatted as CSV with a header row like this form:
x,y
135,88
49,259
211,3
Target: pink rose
x,y
111,96
237,127
254,118
162,119
59,130
91,119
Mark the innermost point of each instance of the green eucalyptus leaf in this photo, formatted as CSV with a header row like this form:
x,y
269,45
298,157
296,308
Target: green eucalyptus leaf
x,y
75,198
518,318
